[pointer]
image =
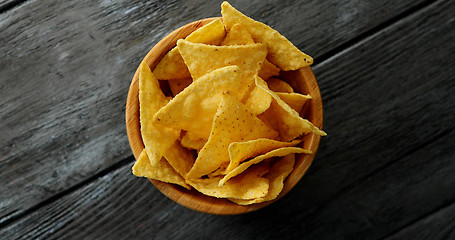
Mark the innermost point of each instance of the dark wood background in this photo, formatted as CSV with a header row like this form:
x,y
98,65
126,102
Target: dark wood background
x,y
385,171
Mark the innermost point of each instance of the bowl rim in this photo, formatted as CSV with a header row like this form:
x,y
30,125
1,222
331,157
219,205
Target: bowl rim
x,y
208,204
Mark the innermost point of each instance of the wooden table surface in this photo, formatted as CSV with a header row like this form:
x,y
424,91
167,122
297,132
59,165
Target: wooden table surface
x,y
386,170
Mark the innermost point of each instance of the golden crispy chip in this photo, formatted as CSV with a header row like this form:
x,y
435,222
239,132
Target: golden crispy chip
x,y
278,85
156,139
177,85
274,153
238,35
212,33
171,66
232,123
277,174
192,142
240,151
193,109
268,70
202,59
180,158
281,51
245,186
162,171
258,101
288,121
294,100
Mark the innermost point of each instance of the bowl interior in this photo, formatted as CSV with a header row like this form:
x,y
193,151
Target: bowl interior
x,y
303,81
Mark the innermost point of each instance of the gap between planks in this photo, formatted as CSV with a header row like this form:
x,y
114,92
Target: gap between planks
x,y
389,164
418,220
373,31
4,7
12,217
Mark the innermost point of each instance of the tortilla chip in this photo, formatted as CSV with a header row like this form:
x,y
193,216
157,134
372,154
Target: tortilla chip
x,y
246,186
193,142
248,58
193,109
157,140
294,100
232,123
163,171
180,158
171,66
258,101
268,70
177,85
278,85
287,120
281,51
274,153
212,33
238,35
277,174
240,151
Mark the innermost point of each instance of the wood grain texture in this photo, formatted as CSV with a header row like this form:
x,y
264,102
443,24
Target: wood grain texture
x,y
437,226
387,162
66,68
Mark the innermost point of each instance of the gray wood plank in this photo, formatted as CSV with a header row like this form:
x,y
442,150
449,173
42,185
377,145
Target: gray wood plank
x,y
66,68
387,162
7,4
120,206
437,226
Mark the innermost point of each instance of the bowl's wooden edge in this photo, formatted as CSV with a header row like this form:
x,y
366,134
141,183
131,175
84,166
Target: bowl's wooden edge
x,y
208,204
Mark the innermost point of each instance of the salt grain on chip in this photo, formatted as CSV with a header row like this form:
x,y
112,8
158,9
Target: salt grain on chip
x,y
193,109
232,123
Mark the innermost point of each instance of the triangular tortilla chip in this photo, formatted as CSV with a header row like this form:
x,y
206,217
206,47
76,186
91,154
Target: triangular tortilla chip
x,y
248,58
240,151
193,109
177,85
157,139
232,123
238,35
192,142
180,158
258,101
294,100
277,174
274,153
163,171
278,85
171,66
281,51
245,186
289,122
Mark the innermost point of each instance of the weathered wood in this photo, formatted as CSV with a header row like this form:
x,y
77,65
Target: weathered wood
x,y
388,159
66,68
122,206
437,226
7,4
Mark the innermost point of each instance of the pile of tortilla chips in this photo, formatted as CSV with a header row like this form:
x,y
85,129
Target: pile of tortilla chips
x,y
231,127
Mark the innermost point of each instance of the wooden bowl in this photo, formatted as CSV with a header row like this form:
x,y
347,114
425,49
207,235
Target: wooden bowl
x,y
302,80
